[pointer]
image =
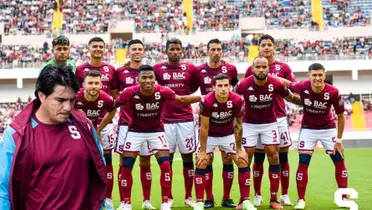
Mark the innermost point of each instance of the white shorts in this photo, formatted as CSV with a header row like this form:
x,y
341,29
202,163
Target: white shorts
x,y
225,144
267,133
107,137
309,137
122,134
285,137
135,141
181,135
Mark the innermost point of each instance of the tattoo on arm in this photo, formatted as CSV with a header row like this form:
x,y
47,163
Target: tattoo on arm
x,y
238,130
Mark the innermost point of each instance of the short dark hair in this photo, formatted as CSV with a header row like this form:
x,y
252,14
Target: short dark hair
x,y
213,41
172,41
61,40
135,41
316,66
51,76
220,76
92,73
143,68
96,39
264,37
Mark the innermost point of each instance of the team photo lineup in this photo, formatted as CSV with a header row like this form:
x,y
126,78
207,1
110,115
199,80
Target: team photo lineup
x,y
174,134
243,119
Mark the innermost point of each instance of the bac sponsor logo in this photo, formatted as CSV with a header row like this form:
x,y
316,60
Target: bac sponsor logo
x,y
93,113
266,97
221,115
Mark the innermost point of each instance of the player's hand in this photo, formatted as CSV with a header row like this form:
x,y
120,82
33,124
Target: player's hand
x,y
241,158
338,148
202,160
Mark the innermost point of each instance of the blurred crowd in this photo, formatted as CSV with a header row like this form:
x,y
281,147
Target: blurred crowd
x,y
235,50
8,111
95,16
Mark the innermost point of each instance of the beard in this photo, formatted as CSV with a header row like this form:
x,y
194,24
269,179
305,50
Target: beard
x,y
260,78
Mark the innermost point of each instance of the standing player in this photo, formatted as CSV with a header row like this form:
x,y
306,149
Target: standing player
x,y
146,102
317,99
278,69
221,113
61,52
206,72
259,90
96,49
127,76
178,118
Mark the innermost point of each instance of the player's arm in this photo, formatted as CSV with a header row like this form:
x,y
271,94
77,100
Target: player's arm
x,y
293,98
115,93
284,81
7,148
238,132
106,120
188,99
204,130
340,125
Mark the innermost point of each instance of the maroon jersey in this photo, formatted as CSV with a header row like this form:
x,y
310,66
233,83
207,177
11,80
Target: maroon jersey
x,y
145,111
107,71
221,115
183,80
317,106
125,77
206,74
63,161
259,99
93,109
278,69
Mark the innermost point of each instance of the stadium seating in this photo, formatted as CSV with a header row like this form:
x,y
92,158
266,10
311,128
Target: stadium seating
x,y
82,16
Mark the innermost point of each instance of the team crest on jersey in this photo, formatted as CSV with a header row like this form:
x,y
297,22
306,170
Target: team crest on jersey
x,y
166,76
215,115
307,102
139,107
129,80
252,98
207,80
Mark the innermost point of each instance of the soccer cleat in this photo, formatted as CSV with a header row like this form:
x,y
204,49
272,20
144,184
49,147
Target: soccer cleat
x,y
108,204
208,204
199,206
275,205
190,202
147,205
165,206
285,201
247,205
228,203
300,204
121,206
257,201
170,202
345,207
124,206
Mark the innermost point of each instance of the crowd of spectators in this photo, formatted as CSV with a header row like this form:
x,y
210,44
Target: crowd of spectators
x,y
82,16
8,111
235,50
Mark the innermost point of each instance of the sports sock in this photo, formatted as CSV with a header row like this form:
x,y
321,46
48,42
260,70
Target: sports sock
x,y
258,171
146,180
227,178
188,175
284,166
274,176
200,184
209,183
244,177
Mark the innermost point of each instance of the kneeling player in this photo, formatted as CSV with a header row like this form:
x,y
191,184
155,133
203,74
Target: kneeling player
x,y
146,102
221,115
318,124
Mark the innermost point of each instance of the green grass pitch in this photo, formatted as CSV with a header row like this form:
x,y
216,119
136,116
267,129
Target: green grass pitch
x,y
320,189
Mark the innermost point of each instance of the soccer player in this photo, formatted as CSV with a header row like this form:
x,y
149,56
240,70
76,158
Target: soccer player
x,y
221,113
317,99
127,76
50,156
61,52
146,103
279,69
96,47
206,72
259,91
178,118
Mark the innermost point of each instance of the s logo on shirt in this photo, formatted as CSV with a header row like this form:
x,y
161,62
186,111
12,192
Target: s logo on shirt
x,y
75,134
157,96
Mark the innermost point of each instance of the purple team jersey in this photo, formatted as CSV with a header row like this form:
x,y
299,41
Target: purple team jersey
x,y
107,75
70,175
93,109
183,80
278,69
317,106
259,99
145,111
221,115
125,77
206,74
